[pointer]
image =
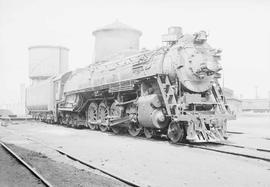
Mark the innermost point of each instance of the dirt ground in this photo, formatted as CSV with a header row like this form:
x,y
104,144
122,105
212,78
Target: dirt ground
x,y
12,173
251,129
60,174
152,163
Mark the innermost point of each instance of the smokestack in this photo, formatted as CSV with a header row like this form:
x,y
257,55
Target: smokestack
x,y
174,33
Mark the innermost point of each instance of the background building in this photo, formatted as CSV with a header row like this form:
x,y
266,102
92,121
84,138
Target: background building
x,y
256,105
234,103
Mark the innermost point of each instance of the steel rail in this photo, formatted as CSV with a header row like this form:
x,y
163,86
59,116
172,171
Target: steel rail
x,y
217,150
83,163
235,132
72,158
27,166
213,149
225,152
200,146
96,168
243,147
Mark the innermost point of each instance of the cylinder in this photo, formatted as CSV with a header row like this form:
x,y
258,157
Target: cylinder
x,y
150,113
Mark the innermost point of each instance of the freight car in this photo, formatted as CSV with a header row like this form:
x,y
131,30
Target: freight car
x,y
171,91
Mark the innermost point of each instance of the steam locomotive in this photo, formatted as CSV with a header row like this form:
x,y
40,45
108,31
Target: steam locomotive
x,y
172,91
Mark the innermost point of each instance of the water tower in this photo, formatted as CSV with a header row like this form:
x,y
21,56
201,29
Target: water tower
x,y
47,61
113,39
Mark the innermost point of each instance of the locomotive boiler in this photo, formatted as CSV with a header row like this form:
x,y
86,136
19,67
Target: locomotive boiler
x,y
172,90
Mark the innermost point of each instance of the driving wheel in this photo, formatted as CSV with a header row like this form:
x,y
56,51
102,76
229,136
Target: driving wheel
x,y
103,112
92,116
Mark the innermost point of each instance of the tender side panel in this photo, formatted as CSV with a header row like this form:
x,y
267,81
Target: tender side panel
x,y
39,96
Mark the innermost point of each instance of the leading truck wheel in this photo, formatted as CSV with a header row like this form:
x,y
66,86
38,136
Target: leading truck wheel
x,y
148,132
176,132
134,129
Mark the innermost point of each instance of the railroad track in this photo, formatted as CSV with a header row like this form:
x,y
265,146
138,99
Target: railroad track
x,y
244,147
238,150
213,146
235,150
74,159
84,163
27,166
217,147
96,168
235,132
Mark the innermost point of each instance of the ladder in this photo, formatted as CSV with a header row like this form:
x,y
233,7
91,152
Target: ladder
x,y
168,95
218,93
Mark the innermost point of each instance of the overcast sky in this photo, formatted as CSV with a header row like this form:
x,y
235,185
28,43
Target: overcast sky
x,y
241,28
